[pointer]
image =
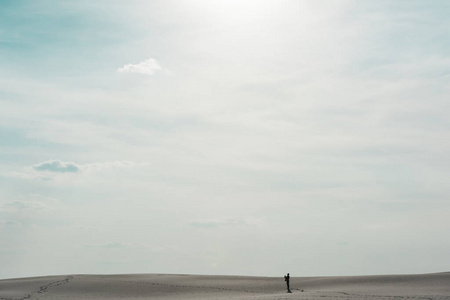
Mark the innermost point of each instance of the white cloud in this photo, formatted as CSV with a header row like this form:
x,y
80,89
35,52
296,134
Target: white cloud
x,y
31,204
236,221
108,165
20,205
111,245
146,67
5,224
63,167
57,166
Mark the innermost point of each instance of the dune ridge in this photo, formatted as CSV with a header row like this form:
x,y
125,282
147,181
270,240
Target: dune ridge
x,y
173,286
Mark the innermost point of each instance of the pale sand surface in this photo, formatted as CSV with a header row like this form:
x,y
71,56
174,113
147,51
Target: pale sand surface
x,y
155,286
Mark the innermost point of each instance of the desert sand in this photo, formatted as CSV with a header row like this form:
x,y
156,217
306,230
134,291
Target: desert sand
x,y
163,286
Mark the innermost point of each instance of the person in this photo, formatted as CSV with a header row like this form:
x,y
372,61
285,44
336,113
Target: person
x,y
286,278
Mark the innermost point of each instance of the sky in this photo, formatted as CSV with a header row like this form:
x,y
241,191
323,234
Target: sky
x,y
224,137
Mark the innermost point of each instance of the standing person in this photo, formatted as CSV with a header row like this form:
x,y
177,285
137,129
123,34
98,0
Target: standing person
x,y
286,278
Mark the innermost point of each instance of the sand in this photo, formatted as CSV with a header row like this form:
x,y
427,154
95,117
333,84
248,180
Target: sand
x,y
159,286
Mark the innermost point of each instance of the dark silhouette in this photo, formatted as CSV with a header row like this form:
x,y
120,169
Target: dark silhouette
x,y
286,278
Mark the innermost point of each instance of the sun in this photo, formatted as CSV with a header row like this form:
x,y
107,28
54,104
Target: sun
x,y
237,11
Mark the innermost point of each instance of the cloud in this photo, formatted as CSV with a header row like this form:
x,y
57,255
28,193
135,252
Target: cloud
x,y
113,245
243,221
109,165
21,205
57,166
4,224
146,67
49,169
32,204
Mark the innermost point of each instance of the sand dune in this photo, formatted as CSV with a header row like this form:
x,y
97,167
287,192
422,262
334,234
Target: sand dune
x,y
156,286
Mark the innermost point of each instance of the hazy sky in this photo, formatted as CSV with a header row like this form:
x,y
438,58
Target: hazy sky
x,y
224,137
